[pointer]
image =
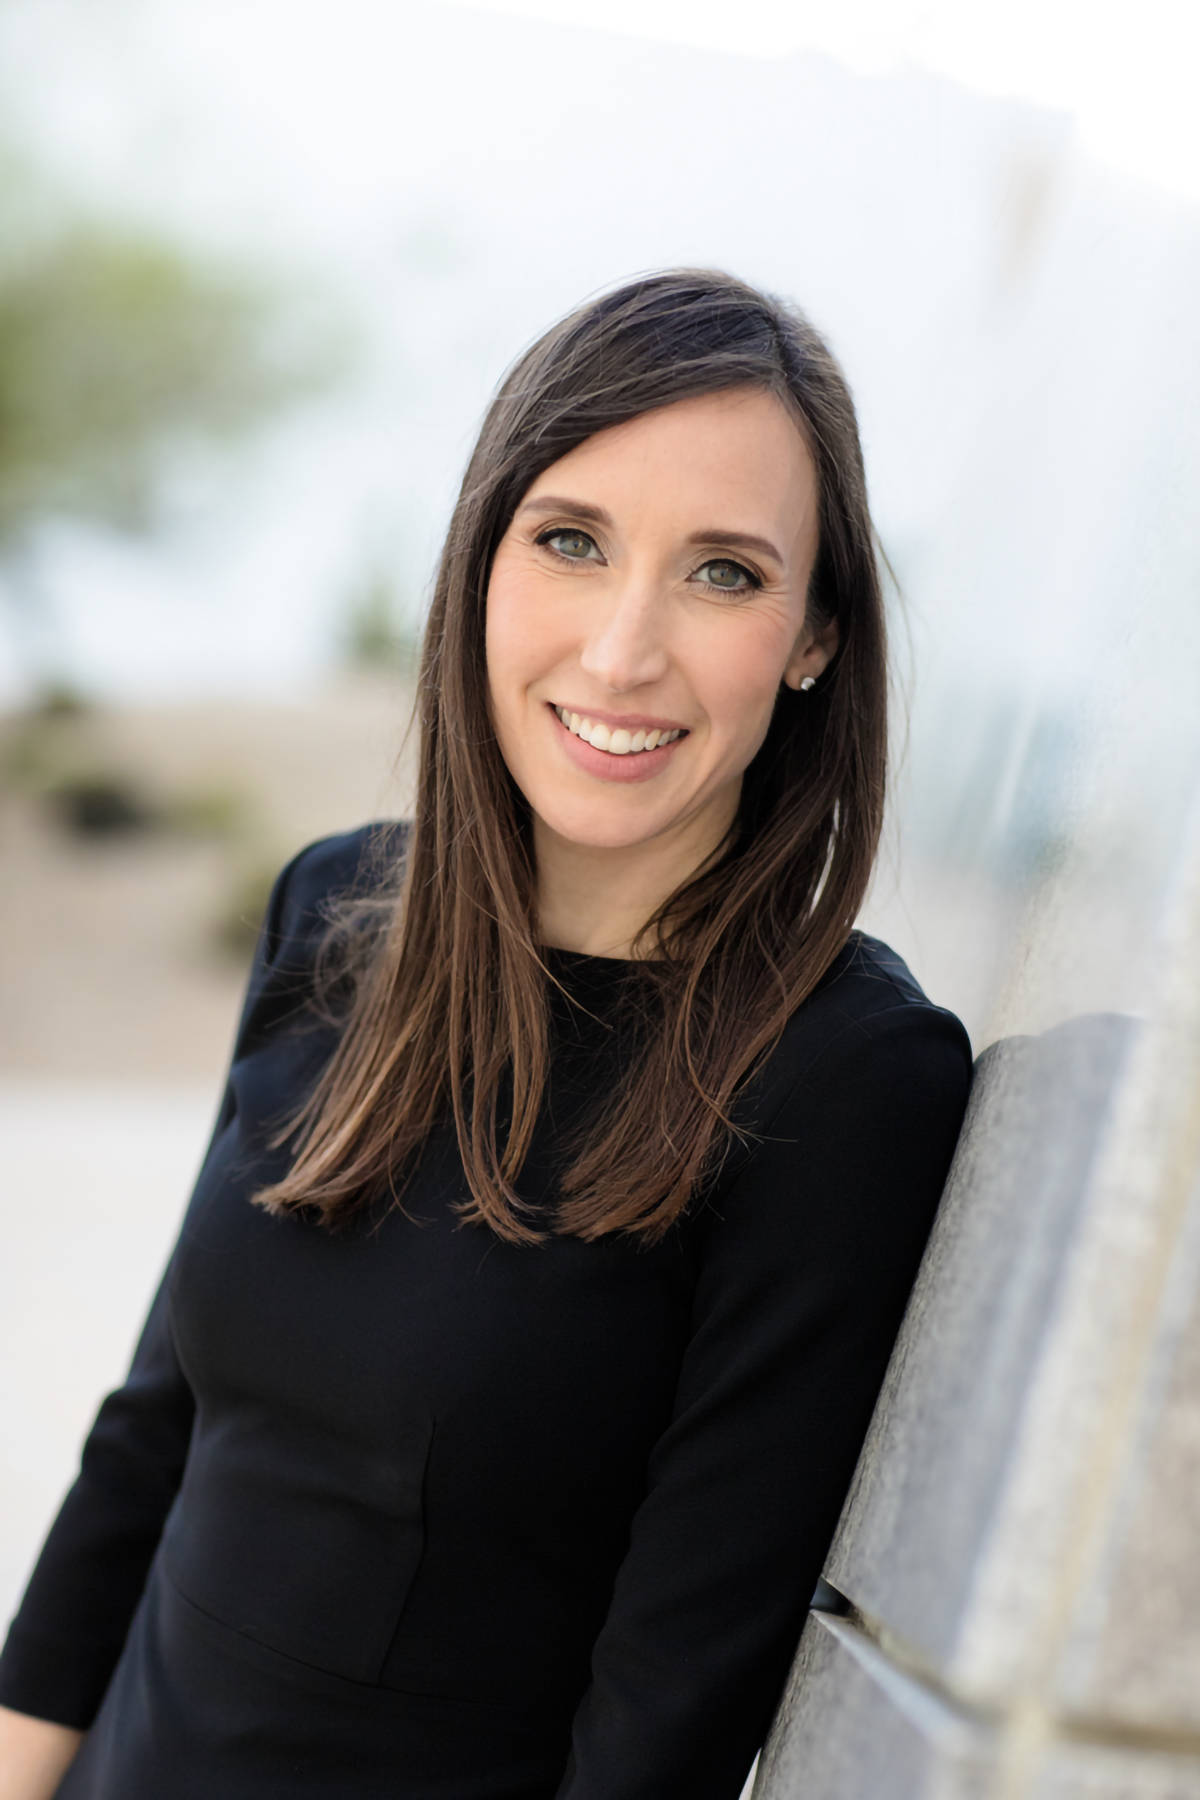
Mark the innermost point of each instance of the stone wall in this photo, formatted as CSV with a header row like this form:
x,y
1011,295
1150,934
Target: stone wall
x,y
1013,1600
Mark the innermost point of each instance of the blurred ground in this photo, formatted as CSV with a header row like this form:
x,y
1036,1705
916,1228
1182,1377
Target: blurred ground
x,y
125,954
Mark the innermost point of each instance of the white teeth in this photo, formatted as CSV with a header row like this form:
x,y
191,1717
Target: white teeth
x,y
618,741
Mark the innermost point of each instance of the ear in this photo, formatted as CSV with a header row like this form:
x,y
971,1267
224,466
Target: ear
x,y
811,653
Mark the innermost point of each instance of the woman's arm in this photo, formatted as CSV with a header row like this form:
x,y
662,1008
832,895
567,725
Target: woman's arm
x,y
34,1755
68,1632
808,1260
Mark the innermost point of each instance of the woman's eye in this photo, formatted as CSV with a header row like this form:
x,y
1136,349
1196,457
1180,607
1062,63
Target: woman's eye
x,y
727,569
574,546
575,537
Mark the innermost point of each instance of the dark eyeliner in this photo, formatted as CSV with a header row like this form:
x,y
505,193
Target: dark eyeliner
x,y
563,531
753,581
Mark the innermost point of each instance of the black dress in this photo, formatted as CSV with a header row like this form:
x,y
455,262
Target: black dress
x,y
417,1513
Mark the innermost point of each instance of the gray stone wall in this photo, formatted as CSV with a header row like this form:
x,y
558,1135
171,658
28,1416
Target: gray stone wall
x,y
1014,1585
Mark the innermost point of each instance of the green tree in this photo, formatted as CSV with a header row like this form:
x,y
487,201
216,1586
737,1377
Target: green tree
x,y
117,350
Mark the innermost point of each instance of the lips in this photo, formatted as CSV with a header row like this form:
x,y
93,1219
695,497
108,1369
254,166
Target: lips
x,y
630,722
630,737
636,765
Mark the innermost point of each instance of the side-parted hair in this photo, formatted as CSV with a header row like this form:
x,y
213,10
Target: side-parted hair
x,y
444,992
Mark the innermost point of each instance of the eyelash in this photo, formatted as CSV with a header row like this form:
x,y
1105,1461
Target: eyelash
x,y
753,580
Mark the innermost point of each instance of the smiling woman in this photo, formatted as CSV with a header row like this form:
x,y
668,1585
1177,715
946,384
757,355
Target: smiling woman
x,y
491,1421
656,607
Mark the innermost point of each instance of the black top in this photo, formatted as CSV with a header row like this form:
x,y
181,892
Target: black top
x,y
415,1512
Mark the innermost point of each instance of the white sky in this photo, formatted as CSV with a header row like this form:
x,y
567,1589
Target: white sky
x,y
463,174
1126,73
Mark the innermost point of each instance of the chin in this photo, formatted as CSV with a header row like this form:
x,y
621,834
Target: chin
x,y
595,826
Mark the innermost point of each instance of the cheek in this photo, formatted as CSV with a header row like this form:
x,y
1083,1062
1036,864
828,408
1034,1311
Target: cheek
x,y
516,627
503,640
740,685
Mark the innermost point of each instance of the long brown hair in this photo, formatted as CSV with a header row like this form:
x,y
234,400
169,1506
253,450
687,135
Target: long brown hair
x,y
446,1002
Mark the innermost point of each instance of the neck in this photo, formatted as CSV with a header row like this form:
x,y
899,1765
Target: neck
x,y
595,898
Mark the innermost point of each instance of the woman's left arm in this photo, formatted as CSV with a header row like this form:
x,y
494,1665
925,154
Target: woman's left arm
x,y
808,1262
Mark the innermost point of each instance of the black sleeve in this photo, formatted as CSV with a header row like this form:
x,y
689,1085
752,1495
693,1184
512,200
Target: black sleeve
x,y
808,1262
65,1638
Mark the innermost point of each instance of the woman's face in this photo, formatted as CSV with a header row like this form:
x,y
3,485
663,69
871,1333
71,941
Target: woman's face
x,y
653,580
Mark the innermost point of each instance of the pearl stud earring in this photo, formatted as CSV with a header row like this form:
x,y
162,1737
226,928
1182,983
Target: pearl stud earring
x,y
808,682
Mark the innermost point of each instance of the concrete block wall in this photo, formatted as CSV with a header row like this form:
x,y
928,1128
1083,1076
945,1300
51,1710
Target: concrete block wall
x,y
1014,1584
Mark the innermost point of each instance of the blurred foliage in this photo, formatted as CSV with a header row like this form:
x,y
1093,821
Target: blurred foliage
x,y
54,754
237,925
117,346
215,810
100,805
42,746
110,346
60,699
375,632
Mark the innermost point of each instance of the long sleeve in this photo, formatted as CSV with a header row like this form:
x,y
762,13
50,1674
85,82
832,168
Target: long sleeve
x,y
67,1634
808,1259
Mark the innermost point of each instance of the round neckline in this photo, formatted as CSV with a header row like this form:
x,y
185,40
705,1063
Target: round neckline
x,y
587,958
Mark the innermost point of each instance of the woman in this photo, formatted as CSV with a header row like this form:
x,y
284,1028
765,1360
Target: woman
x,y
491,1422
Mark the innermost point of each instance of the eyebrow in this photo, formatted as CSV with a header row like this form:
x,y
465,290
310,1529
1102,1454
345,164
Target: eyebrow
x,y
583,509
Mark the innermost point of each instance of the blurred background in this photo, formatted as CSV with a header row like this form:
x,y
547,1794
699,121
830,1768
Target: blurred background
x,y
260,269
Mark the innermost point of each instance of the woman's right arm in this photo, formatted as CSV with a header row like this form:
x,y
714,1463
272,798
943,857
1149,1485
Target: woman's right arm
x,y
34,1755
67,1634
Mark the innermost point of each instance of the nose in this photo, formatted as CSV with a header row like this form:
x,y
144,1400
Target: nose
x,y
627,646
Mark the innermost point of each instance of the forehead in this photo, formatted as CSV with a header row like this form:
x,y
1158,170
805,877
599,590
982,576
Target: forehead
x,y
738,457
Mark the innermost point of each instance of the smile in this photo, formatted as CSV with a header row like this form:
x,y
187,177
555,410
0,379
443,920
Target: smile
x,y
616,741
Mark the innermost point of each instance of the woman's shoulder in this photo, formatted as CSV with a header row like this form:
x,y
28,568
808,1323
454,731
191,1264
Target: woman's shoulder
x,y
300,909
869,992
329,867
868,1024
867,977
